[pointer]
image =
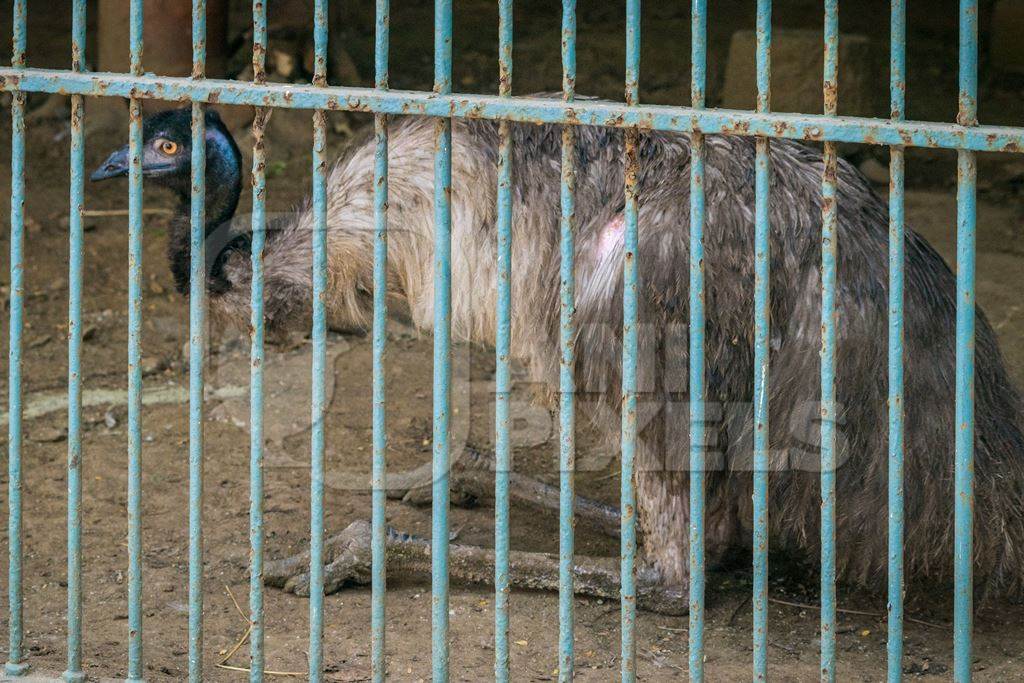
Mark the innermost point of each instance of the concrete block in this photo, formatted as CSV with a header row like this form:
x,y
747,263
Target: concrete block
x,y
797,62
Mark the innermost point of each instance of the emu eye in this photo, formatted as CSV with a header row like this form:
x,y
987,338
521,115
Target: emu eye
x,y
168,147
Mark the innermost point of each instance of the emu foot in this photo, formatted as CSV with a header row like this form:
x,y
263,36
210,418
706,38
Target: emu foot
x,y
347,558
347,561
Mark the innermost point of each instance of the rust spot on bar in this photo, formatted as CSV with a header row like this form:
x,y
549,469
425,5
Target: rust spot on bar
x,y
831,94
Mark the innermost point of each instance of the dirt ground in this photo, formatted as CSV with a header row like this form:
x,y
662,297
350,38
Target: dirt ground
x,y
931,209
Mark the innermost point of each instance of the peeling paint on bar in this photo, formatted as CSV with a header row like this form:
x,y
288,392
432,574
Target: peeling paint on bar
x,y
502,362
810,127
16,664
897,96
762,326
378,483
135,399
696,365
567,358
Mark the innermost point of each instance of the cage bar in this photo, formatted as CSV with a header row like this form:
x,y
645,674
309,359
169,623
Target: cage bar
x,y
76,247
698,87
533,110
967,176
829,225
16,664
897,100
135,227
762,295
696,349
502,351
380,275
196,351
630,343
256,351
567,357
318,401
442,341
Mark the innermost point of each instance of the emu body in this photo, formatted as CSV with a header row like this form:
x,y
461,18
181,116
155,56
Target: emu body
x,y
662,479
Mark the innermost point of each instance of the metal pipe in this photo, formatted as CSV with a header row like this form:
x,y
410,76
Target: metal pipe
x,y
630,344
197,348
533,110
256,352
442,342
76,248
567,357
829,233
967,176
319,361
380,266
16,664
502,350
897,96
698,88
135,227
762,323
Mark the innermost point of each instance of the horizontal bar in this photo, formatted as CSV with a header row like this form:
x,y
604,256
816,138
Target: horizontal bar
x,y
810,127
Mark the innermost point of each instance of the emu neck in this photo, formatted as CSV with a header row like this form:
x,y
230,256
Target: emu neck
x,y
223,189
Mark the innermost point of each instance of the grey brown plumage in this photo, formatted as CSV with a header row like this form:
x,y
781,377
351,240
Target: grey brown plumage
x,y
663,480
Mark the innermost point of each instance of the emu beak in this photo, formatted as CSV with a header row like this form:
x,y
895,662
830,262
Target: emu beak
x,y
115,166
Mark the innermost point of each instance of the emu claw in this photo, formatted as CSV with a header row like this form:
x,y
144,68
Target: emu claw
x,y
347,557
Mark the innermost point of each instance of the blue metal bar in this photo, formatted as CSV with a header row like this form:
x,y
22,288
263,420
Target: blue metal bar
x,y
319,402
567,359
967,175
897,96
762,318
442,341
829,225
16,664
502,350
76,248
630,344
197,348
808,127
256,352
135,226
319,362
380,313
698,87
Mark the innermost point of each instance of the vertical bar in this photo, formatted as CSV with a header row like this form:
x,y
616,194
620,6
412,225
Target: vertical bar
x,y
442,340
380,313
319,362
567,360
967,175
197,347
762,260
256,325
502,348
698,86
630,343
135,355
16,664
829,221
897,90
76,247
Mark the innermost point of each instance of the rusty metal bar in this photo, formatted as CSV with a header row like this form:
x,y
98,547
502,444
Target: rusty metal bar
x,y
808,127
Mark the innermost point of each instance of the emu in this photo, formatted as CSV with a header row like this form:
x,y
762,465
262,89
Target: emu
x,y
662,482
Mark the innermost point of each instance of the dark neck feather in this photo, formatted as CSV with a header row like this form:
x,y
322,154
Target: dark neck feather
x,y
223,189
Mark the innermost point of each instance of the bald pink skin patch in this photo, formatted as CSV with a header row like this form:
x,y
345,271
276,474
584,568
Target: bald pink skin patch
x,y
611,237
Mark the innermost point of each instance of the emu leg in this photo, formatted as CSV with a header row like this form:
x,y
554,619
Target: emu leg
x,y
347,557
472,477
